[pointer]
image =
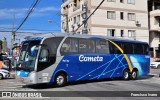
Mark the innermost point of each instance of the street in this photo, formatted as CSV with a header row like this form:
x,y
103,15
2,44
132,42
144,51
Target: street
x,y
145,83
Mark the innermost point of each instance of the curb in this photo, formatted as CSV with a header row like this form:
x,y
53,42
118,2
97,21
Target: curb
x,y
155,75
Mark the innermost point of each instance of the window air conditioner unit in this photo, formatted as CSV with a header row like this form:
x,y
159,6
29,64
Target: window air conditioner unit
x,y
138,23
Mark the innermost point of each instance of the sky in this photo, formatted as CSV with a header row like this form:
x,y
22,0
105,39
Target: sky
x,y
37,21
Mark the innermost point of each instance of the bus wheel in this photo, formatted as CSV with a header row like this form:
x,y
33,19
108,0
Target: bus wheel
x,y
134,75
126,74
60,80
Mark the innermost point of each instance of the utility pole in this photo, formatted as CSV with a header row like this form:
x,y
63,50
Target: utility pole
x,y
13,32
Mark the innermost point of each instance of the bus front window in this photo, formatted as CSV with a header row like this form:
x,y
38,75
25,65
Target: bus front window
x,y
28,56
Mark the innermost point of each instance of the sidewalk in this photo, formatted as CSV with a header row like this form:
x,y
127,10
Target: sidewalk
x,y
12,74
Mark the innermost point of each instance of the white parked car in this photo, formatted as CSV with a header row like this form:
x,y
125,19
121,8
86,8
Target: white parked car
x,y
4,73
155,64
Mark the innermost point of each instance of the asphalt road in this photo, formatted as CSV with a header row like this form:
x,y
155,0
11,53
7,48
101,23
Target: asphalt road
x,y
116,86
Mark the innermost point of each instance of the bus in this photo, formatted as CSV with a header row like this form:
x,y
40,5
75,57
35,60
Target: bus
x,y
60,58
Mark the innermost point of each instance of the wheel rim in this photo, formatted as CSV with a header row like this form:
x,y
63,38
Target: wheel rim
x,y
126,75
134,75
60,80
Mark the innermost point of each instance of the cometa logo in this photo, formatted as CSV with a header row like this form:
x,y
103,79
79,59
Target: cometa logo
x,y
82,58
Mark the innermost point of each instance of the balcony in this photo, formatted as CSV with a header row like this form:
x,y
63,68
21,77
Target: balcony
x,y
155,13
155,20
76,8
155,27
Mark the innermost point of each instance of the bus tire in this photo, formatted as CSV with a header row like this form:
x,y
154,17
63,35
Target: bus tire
x,y
126,74
134,75
1,76
60,80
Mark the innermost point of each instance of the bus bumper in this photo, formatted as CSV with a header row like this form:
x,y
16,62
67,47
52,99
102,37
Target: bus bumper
x,y
29,80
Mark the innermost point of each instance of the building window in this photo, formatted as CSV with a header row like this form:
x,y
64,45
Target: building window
x,y
111,32
131,1
121,15
78,18
111,15
131,16
131,33
63,25
111,0
121,1
74,20
122,33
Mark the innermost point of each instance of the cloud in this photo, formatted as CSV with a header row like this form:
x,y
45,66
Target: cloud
x,y
47,9
20,12
4,26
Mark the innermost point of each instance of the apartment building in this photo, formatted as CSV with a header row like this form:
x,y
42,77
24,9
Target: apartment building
x,y
154,19
115,18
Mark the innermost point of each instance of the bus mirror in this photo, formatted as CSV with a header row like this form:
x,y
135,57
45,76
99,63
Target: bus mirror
x,y
34,50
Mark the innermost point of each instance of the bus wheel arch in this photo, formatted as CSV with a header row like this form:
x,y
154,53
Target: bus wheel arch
x,y
126,74
60,78
134,74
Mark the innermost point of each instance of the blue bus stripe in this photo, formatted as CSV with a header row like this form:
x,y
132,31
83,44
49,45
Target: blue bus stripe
x,y
110,71
97,68
106,68
120,62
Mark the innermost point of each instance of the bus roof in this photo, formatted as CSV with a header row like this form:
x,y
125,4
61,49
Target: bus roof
x,y
48,35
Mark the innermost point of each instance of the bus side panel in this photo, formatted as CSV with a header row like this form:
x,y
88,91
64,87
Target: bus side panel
x,y
141,62
78,67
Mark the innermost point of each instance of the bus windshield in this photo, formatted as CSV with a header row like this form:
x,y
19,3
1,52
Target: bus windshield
x,y
28,56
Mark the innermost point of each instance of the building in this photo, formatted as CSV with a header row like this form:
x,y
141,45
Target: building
x,y
5,49
116,18
154,19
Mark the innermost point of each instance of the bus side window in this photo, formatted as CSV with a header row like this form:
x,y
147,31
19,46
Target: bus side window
x,y
114,49
44,56
145,49
138,49
102,47
128,48
86,46
70,46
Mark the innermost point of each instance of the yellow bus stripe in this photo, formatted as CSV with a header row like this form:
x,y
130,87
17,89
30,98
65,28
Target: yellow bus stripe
x,y
125,55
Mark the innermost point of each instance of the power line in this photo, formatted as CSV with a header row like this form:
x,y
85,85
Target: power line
x,y
29,13
90,14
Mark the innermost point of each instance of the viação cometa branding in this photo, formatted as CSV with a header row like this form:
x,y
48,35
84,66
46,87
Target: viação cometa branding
x,y
83,58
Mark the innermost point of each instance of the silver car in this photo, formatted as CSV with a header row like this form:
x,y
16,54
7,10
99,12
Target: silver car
x,y
4,73
155,64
